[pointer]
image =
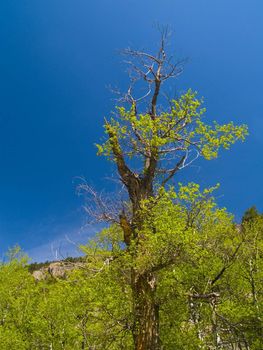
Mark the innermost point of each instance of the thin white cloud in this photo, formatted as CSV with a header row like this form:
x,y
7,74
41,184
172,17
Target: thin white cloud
x,y
64,245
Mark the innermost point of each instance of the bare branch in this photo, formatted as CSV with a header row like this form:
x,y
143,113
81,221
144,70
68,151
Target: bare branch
x,y
154,69
178,166
98,206
230,263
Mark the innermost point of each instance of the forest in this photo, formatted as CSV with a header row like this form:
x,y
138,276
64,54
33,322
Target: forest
x,y
171,269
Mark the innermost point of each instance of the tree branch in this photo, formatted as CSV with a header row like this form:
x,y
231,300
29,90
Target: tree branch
x,y
174,170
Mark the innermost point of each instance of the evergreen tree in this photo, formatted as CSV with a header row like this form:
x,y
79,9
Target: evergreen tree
x,y
250,215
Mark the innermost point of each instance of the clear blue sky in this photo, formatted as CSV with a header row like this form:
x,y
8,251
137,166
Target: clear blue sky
x,y
56,59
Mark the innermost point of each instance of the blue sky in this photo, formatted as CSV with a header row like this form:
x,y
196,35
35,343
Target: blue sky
x,y
57,59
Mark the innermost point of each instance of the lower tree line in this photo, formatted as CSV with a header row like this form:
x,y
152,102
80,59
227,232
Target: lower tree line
x,y
209,293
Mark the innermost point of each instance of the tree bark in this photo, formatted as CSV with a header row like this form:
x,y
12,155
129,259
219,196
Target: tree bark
x,y
146,309
146,312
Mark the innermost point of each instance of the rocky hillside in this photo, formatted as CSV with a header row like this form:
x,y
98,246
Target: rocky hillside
x,y
54,269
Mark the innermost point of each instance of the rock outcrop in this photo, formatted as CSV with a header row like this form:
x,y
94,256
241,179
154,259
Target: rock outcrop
x,y
57,270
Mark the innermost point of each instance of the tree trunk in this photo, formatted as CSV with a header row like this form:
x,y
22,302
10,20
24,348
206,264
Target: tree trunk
x,y
146,312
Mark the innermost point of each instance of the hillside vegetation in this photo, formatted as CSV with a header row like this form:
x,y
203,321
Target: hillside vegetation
x,y
210,299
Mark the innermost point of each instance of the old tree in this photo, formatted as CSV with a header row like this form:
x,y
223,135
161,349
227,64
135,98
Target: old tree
x,y
151,139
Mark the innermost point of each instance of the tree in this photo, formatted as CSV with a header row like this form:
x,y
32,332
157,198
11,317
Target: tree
x,y
150,143
250,215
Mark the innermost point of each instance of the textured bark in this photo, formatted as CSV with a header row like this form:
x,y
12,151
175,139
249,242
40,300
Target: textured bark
x,y
146,312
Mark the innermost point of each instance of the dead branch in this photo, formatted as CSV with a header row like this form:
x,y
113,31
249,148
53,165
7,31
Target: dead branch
x,y
98,206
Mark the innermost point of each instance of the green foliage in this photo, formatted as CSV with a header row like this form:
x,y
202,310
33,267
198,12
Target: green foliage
x,y
250,215
183,125
209,273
